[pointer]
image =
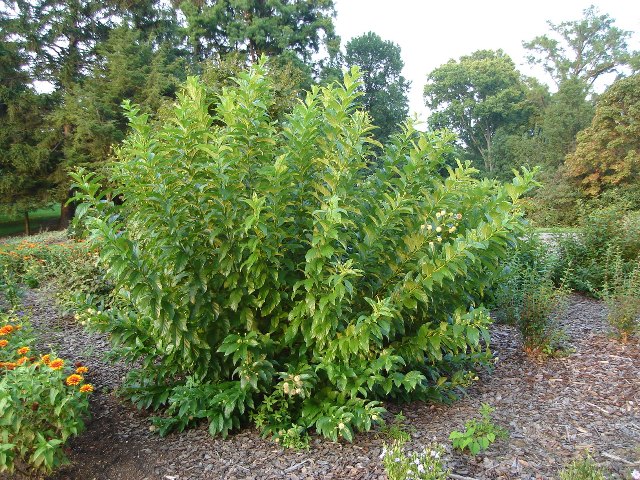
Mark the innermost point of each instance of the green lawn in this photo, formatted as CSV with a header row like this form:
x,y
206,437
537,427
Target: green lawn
x,y
44,217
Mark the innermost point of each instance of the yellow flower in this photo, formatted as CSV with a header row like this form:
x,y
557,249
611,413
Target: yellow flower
x,y
82,370
46,359
21,360
439,229
23,350
452,229
56,364
74,379
86,388
4,343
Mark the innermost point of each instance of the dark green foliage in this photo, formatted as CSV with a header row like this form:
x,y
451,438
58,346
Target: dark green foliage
x,y
260,262
384,87
90,120
26,161
256,28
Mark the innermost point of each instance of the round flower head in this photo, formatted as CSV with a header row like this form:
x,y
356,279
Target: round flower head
x,y
86,388
82,370
6,330
4,343
56,364
22,360
74,379
46,359
23,350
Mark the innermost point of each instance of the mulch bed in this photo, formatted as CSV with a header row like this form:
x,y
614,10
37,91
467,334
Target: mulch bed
x,y
554,411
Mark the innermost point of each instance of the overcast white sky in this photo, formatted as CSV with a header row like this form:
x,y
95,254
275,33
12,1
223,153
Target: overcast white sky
x,y
432,32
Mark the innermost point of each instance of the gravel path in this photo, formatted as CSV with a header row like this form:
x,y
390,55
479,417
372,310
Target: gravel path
x,y
589,400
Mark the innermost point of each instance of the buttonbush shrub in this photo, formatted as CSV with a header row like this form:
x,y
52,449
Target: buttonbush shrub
x,y
264,269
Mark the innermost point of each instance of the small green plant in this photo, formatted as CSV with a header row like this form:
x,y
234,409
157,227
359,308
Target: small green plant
x,y
396,430
527,297
425,465
9,288
478,434
582,469
41,399
621,293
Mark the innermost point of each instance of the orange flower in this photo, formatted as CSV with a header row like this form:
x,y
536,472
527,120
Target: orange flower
x,y
73,380
46,359
56,364
82,370
4,343
8,365
22,360
23,350
6,330
86,388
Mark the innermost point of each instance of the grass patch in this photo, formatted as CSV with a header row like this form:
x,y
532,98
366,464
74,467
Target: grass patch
x,y
41,218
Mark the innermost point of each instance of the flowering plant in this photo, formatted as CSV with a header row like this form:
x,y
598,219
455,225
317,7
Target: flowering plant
x,y
41,400
425,465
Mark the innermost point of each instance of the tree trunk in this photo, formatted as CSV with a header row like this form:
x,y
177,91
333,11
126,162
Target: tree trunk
x,y
67,211
27,227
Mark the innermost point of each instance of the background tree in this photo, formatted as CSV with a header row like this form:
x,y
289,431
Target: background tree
x,y
585,49
130,68
25,157
257,27
385,89
607,155
475,97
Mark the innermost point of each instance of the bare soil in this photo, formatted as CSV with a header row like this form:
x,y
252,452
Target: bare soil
x,y
554,410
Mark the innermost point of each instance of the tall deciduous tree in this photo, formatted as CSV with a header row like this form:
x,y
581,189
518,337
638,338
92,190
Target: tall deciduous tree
x,y
385,89
607,155
475,97
583,49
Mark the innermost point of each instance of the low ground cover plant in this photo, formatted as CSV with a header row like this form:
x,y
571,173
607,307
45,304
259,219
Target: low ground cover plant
x,y
478,435
582,469
425,465
265,268
42,399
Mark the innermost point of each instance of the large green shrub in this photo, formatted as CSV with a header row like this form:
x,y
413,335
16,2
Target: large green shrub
x,y
263,270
